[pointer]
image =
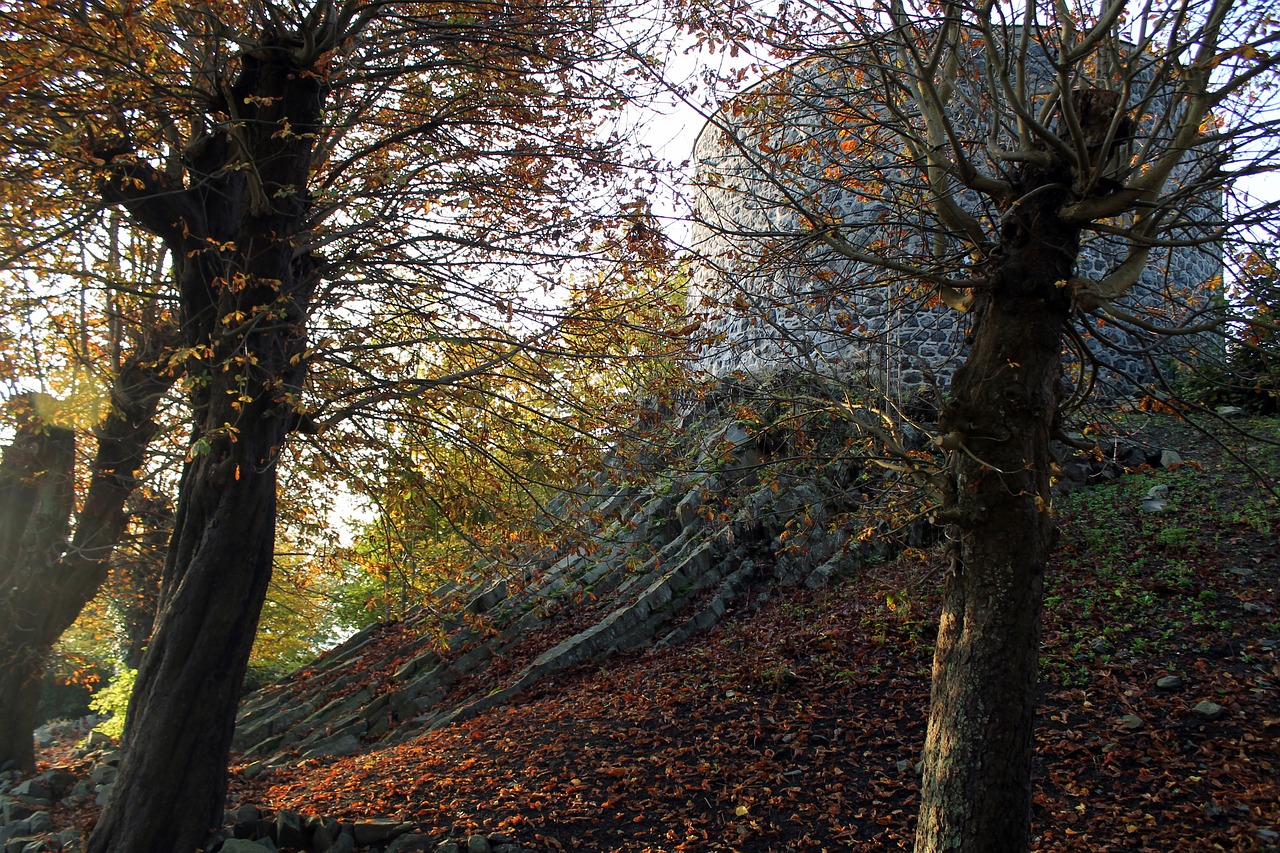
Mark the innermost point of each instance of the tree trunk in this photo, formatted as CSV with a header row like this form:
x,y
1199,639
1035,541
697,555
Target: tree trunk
x,y
37,493
20,682
245,287
976,793
170,790
45,592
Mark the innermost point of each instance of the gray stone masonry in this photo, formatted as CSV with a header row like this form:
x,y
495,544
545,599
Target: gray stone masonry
x,y
773,300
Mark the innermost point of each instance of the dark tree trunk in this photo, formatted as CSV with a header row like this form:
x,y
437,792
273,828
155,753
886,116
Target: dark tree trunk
x,y
44,592
245,287
976,793
170,790
37,494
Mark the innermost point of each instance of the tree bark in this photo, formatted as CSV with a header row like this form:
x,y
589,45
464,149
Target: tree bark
x,y
976,793
245,288
37,494
170,790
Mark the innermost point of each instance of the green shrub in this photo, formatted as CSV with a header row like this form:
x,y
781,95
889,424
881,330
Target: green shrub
x,y
114,700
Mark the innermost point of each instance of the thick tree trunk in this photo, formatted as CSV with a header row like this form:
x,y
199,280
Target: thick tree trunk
x,y
37,493
169,793
976,793
20,682
44,592
246,281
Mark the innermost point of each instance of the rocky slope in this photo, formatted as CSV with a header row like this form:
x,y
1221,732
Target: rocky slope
x,y
759,492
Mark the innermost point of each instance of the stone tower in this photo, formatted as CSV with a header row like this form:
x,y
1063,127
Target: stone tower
x,y
775,165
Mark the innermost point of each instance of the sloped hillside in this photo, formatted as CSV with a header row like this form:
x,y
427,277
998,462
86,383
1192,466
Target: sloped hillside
x,y
796,723
714,664
752,494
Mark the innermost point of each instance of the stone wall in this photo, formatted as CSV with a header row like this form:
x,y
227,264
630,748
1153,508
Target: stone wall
x,y
775,165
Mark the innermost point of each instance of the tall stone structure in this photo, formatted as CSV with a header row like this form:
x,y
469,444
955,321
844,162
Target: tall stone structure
x,y
787,158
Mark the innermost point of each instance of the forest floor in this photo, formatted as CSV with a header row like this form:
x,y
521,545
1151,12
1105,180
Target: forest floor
x,y
797,724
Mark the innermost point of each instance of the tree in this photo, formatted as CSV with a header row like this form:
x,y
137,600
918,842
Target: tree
x,y
43,589
37,494
472,479
976,155
87,327
380,191
136,571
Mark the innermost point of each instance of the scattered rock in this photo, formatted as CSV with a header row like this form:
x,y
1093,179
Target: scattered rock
x,y
1257,607
1156,499
12,810
412,843
345,843
1230,412
478,844
378,831
1241,572
1170,682
1132,722
15,829
34,792
69,840
334,747
289,829
326,834
60,782
248,814
1207,710
243,845
103,774
97,740
1169,458
40,822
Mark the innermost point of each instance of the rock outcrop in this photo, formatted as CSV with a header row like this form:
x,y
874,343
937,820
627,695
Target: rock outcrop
x,y
756,493
764,488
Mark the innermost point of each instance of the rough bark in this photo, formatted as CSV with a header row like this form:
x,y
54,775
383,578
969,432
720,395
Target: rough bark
x,y
37,493
976,793
238,241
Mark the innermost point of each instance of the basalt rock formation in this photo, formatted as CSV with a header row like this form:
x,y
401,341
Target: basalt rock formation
x,y
761,490
765,488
